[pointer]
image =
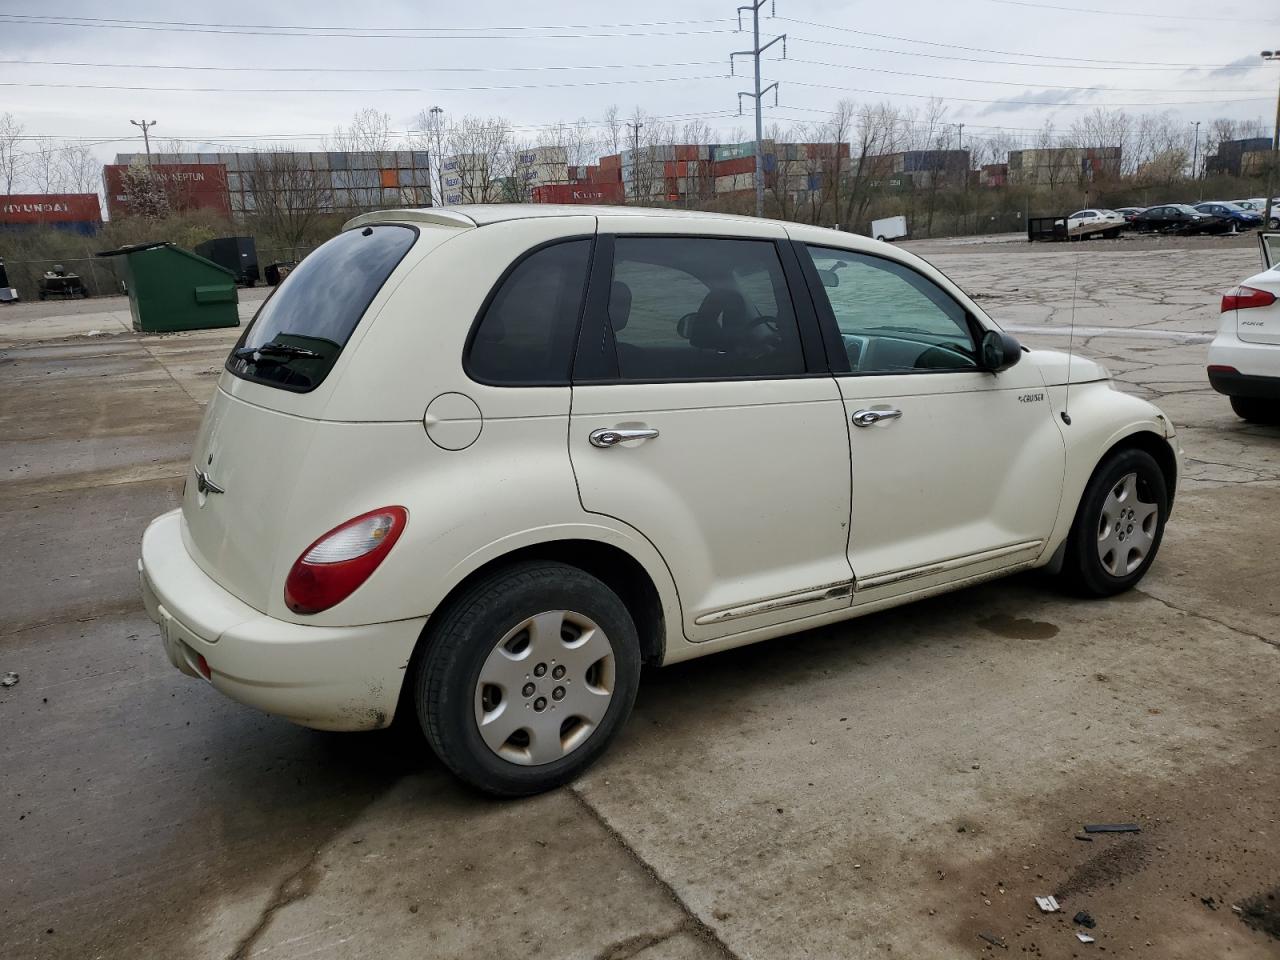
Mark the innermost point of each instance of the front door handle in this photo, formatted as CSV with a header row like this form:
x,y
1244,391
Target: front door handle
x,y
605,437
869,418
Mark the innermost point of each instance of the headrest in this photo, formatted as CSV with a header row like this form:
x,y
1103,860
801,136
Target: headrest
x,y
719,320
619,305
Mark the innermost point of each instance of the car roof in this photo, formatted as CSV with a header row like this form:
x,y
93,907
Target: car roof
x,y
483,214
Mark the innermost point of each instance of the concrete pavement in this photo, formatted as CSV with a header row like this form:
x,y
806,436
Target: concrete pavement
x,y
893,786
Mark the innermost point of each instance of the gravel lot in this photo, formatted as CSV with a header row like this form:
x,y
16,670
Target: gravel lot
x,y
895,786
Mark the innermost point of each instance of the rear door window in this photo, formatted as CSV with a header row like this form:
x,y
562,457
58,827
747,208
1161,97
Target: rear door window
x,y
299,332
526,335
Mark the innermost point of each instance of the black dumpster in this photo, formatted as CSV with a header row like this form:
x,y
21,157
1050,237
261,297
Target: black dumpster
x,y
237,254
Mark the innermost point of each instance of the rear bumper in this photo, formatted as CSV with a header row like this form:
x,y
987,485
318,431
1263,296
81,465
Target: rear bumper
x,y
1245,385
330,678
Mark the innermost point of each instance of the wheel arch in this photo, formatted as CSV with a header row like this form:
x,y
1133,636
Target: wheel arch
x,y
651,608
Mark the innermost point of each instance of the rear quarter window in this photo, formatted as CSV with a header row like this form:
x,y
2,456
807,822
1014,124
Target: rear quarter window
x,y
300,330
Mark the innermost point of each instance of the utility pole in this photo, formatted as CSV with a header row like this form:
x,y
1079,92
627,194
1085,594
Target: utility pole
x,y
1195,158
437,142
146,140
634,126
1275,149
758,93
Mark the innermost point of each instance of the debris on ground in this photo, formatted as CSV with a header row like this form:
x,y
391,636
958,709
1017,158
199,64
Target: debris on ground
x,y
1112,828
1085,920
1261,912
992,939
1047,904
10,679
1081,836
1083,937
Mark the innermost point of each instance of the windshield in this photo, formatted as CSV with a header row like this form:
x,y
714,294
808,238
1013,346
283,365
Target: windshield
x,y
300,330
1184,207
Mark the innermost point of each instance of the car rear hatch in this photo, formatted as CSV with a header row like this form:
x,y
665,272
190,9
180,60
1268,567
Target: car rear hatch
x,y
1261,324
251,453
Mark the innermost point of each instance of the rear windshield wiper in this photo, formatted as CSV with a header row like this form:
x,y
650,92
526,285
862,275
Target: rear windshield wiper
x,y
276,349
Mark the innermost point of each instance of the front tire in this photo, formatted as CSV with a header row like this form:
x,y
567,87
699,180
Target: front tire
x,y
1256,409
1118,526
527,678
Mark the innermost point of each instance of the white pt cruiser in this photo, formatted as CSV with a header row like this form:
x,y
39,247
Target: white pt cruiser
x,y
481,464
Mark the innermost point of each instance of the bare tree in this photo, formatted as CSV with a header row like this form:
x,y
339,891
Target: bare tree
x,y
614,130
479,155
79,171
878,134
12,158
368,138
287,197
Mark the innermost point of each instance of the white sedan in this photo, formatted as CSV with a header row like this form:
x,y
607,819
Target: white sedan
x,y
480,464
1095,222
1244,358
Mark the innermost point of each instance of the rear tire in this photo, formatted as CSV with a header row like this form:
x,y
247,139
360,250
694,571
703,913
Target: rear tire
x,y
1256,409
1118,526
543,650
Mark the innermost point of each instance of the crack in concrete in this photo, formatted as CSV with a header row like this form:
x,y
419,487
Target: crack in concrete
x,y
692,922
295,887
1204,616
625,949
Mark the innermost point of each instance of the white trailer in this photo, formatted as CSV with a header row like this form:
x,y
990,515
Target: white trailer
x,y
890,228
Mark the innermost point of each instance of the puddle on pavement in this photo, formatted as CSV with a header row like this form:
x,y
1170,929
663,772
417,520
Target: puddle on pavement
x,y
1018,628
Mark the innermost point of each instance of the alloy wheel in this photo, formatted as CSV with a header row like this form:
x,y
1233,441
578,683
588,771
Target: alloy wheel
x,y
1126,527
545,687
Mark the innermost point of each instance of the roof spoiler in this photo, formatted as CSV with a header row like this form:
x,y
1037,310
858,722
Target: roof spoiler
x,y
437,216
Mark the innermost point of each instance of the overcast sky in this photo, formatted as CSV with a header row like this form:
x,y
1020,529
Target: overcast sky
x,y
670,60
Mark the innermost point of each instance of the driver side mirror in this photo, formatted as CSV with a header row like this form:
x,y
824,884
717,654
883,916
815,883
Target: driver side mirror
x,y
1000,351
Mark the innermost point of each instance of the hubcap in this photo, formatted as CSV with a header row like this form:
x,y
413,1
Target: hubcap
x,y
1126,528
545,687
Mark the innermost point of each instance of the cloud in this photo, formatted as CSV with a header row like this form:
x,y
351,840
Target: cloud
x,y
1030,99
1235,70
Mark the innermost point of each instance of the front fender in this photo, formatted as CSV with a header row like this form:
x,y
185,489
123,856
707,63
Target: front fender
x,y
1102,418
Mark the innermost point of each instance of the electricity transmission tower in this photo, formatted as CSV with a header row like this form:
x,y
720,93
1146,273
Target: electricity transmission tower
x,y
758,93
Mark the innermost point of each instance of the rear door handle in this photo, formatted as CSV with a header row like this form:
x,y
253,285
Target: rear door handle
x,y
869,418
606,437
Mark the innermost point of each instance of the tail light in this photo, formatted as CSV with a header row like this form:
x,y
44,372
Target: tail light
x,y
333,567
1241,298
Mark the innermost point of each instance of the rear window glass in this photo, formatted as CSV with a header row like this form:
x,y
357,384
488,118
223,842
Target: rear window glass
x,y
300,330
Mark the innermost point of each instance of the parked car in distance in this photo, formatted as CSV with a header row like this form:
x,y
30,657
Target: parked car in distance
x,y
1129,213
1242,218
1095,222
1178,218
1244,358
624,436
1259,206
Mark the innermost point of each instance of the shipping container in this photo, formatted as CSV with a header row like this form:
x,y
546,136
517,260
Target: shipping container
x,y
50,208
188,186
725,168
578,193
612,162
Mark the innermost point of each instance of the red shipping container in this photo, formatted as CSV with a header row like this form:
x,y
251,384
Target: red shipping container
x,y
723,168
611,162
578,193
190,186
603,174
50,208
687,152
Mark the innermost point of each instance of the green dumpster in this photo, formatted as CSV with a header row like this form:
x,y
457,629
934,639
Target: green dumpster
x,y
173,289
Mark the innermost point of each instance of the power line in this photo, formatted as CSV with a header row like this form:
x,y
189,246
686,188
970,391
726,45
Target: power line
x,y
505,86
426,32
222,69
1011,102
1010,63
1007,53
1006,83
359,27
1252,21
